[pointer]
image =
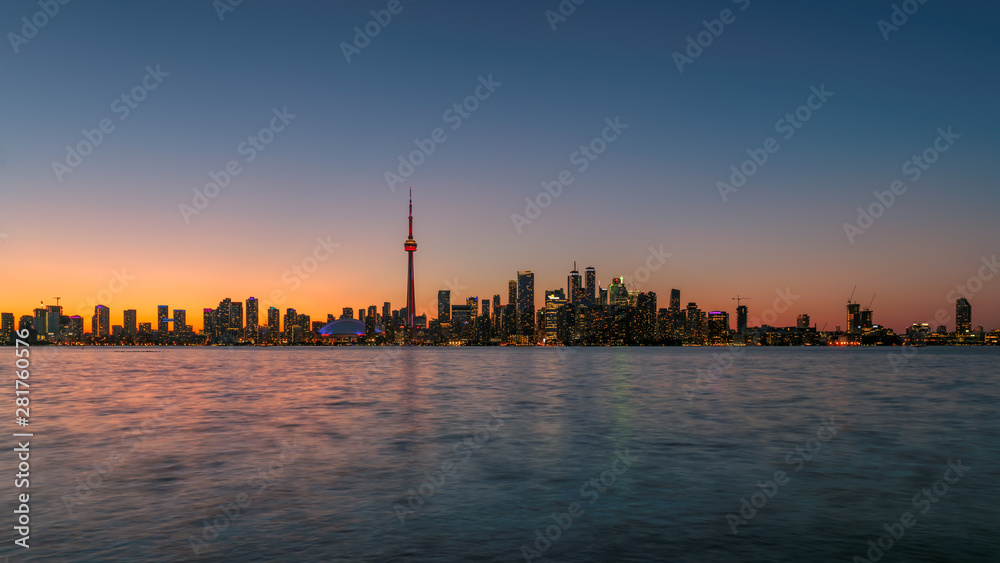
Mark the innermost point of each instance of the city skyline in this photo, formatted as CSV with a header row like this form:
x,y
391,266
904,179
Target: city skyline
x,y
643,164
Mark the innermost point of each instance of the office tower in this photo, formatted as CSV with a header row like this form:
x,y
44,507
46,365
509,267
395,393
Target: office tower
x,y
6,328
497,317
208,322
590,276
273,315
373,313
290,319
420,321
347,313
602,296
574,288
410,246
102,321
741,317
52,322
717,327
361,314
41,319
693,329
963,316
162,314
473,304
866,319
26,322
617,294
444,305
129,322
645,311
526,303
180,320
675,299
224,316
802,322
76,327
303,322
386,312
253,316
511,292
237,317
853,318
555,303
486,310
146,329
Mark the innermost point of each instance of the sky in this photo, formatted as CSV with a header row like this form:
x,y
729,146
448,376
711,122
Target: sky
x,y
310,114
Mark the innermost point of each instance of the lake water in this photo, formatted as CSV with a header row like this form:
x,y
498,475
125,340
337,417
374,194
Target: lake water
x,y
476,454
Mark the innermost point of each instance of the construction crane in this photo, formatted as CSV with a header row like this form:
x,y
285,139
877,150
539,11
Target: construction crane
x,y
738,299
851,298
57,301
869,307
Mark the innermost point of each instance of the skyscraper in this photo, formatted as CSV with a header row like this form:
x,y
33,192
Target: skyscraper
x,y
853,318
526,303
129,322
410,246
41,319
963,316
180,320
52,320
741,316
273,314
802,322
444,305
590,276
574,287
290,321
511,292
6,328
675,299
102,321
347,313
253,316
162,314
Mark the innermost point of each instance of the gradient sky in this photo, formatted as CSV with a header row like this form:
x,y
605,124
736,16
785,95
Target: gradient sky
x,y
323,176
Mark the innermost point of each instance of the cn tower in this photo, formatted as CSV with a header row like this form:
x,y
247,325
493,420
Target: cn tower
x,y
410,246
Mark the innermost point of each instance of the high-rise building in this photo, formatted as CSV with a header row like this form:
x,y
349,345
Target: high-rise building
x,y
237,317
512,292
26,322
444,305
717,327
526,303
41,320
741,317
162,314
373,313
347,313
574,286
361,314
273,315
209,327
75,327
102,321
963,316
602,296
866,319
386,313
675,299
590,276
802,322
291,318
129,322
410,246
253,315
693,325
52,324
853,318
180,320
6,328
617,293
555,303
645,317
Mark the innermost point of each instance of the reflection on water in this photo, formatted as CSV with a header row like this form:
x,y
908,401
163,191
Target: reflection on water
x,y
284,454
